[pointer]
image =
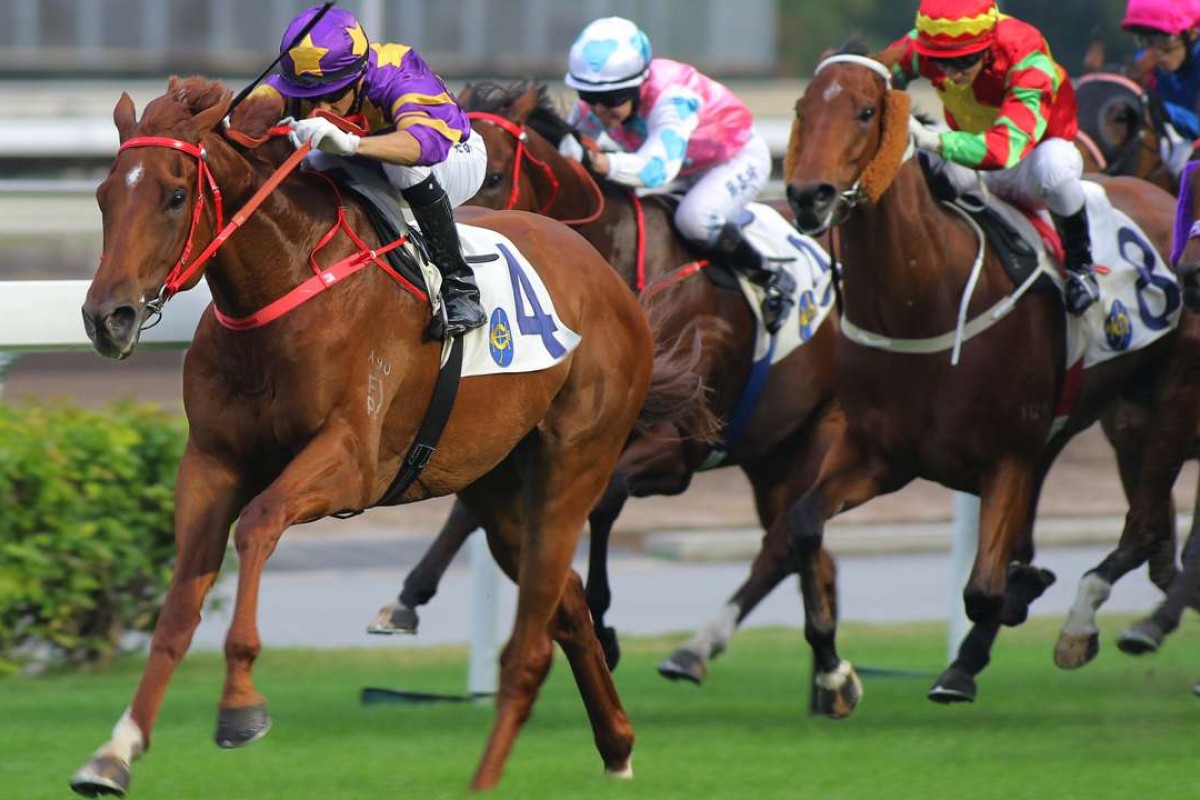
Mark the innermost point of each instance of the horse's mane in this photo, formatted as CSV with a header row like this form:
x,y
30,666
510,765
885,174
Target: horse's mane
x,y
184,99
493,98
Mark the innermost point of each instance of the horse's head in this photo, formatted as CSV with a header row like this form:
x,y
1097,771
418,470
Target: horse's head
x,y
1186,251
849,138
151,207
498,116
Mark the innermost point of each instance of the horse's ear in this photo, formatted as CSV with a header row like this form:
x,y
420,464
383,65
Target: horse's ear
x,y
524,105
207,119
464,97
125,117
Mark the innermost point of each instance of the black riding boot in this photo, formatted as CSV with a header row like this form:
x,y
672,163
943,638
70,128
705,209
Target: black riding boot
x,y
1081,289
431,207
734,251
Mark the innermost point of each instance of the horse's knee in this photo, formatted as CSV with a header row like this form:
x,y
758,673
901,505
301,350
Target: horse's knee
x,y
258,528
806,525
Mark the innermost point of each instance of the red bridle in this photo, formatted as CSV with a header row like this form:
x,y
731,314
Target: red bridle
x,y
323,277
522,153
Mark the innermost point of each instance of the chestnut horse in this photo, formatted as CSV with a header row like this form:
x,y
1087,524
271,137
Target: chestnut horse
x,y
313,413
779,448
982,426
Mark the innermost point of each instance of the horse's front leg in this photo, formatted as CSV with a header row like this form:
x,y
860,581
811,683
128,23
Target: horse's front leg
x,y
323,478
422,583
207,499
850,475
1006,497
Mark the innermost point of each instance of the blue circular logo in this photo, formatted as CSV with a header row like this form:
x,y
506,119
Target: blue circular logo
x,y
1118,329
500,340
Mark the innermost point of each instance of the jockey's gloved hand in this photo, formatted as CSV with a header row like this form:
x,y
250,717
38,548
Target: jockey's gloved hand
x,y
1175,150
324,136
571,148
924,138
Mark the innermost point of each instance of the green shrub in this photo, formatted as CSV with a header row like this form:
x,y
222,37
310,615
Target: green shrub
x,y
86,528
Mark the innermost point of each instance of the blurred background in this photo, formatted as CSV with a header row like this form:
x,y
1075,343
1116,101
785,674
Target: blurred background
x,y
64,63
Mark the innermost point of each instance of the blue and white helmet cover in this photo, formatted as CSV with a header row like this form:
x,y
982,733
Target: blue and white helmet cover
x,y
610,54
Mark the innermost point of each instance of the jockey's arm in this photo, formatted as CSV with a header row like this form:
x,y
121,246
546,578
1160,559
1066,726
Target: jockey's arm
x,y
901,58
1020,125
397,147
670,124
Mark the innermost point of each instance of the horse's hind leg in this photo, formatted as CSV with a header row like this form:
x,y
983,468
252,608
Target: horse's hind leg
x,y
574,632
1150,524
599,591
1147,635
540,537
421,584
206,504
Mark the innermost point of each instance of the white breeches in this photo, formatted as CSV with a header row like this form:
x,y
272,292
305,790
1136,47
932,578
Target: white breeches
x,y
717,195
1048,177
461,174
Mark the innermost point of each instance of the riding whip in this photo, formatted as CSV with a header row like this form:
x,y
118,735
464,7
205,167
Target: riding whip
x,y
294,43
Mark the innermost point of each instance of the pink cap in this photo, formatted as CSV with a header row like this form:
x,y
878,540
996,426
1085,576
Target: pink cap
x,y
1168,16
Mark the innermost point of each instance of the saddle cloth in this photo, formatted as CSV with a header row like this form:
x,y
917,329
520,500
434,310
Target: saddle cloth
x,y
1139,294
809,265
524,332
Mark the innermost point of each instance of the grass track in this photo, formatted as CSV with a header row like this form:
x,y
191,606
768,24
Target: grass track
x,y
1120,728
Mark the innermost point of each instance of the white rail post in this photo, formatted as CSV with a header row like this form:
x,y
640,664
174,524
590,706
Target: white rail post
x,y
963,544
483,669
6,361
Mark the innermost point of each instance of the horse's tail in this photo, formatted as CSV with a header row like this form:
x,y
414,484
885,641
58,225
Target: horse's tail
x,y
678,394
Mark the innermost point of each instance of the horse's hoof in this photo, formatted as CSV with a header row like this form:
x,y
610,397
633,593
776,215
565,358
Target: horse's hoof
x,y
684,665
955,685
623,773
103,776
612,648
394,618
1074,650
1196,689
238,727
836,694
1141,637
1026,583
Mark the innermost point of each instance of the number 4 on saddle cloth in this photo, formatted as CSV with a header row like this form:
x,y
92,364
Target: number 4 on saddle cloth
x,y
523,334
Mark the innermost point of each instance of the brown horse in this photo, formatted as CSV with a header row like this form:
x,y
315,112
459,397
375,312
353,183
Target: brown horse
x,y
982,426
1147,635
779,447
314,413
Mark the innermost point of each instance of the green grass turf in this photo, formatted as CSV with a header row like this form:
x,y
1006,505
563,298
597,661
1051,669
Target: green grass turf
x,y
1122,727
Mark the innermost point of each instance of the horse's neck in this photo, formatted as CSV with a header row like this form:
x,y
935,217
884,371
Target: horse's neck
x,y
264,259
906,261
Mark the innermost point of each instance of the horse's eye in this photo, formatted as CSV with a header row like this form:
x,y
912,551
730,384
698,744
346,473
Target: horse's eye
x,y
867,114
177,200
493,180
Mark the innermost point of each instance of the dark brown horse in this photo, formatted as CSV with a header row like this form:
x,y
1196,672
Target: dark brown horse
x,y
1147,635
982,426
779,446
1120,126
313,413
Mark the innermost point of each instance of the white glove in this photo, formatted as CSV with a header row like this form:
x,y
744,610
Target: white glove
x,y
1174,150
924,138
324,135
571,148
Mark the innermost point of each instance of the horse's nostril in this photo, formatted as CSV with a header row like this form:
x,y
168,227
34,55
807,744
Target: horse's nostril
x,y
120,321
824,195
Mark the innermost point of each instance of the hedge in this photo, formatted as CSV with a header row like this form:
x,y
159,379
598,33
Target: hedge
x,y
86,528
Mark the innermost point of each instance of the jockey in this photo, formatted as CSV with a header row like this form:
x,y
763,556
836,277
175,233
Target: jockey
x,y
416,128
1166,32
1011,112
672,123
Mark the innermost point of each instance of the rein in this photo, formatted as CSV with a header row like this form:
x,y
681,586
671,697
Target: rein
x,y
522,154
183,272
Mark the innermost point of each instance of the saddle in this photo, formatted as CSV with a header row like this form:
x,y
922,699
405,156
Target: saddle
x,y
1019,258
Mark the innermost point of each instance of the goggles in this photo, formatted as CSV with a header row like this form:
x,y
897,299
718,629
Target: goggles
x,y
608,99
1157,40
958,63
